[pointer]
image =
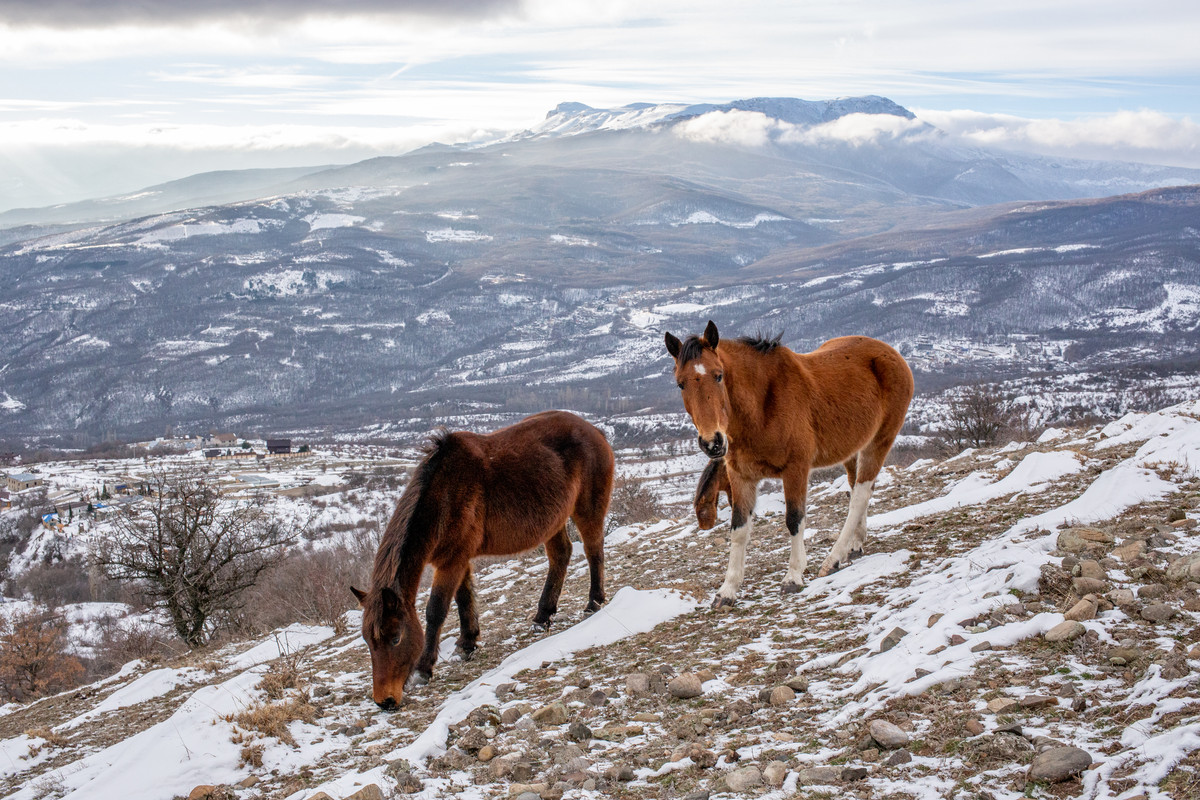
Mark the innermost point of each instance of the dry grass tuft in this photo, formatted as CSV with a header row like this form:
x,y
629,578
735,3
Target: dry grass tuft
x,y
273,719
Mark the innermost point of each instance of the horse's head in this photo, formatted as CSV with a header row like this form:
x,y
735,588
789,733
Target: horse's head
x,y
395,638
700,375
713,481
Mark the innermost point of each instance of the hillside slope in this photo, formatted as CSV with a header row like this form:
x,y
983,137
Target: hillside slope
x,y
940,630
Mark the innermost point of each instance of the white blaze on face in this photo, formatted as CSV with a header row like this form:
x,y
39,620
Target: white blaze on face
x,y
700,369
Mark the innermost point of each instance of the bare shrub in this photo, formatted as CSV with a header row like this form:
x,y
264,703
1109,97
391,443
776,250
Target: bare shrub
x,y
310,585
33,655
272,719
119,642
191,553
632,501
979,416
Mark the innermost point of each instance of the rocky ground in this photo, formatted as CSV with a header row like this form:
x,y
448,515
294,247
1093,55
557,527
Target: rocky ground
x,y
1024,623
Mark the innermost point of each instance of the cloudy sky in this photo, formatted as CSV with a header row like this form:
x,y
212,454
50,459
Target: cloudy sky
x,y
101,96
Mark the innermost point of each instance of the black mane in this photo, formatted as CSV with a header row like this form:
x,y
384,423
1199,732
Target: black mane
x,y
762,342
692,348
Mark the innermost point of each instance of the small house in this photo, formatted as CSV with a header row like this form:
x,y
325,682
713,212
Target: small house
x,y
20,481
279,446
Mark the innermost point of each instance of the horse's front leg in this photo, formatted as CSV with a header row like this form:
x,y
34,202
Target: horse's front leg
x,y
446,582
795,496
468,616
850,541
742,497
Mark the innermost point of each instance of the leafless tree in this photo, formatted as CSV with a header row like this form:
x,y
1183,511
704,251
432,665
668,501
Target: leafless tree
x,y
34,657
191,552
978,416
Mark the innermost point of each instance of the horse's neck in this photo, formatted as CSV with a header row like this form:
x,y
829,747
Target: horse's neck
x,y
749,380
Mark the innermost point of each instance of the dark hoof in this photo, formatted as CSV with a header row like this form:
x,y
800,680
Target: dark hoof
x,y
539,627
856,554
830,569
465,653
790,587
418,678
723,602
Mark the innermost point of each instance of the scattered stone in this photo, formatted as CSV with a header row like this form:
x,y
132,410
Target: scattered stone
x,y
1130,551
1090,568
782,696
1185,568
1001,747
974,727
702,794
578,732
1085,586
892,639
1002,705
685,686
854,773
818,775
209,792
472,740
888,735
1086,608
1084,540
1175,515
638,684
1151,591
505,689
1158,612
646,716
619,772
369,792
933,618
1079,704
743,778
798,684
1059,764
1065,631
551,714
486,753
705,675
598,698
1120,597
618,733
902,757
775,773
981,646
1035,701
956,640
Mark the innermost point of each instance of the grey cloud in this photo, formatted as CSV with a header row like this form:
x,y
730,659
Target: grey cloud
x,y
102,14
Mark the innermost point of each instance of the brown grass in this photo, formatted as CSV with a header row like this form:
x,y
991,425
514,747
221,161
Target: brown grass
x,y
272,719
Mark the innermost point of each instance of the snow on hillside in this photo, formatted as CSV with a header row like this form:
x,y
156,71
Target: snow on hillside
x,y
1024,624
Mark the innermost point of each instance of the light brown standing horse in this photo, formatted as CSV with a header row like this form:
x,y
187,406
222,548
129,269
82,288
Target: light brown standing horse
x,y
771,413
482,494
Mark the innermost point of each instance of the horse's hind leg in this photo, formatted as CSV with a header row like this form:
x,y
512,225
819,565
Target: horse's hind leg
x,y
795,494
743,495
468,615
591,531
558,551
850,541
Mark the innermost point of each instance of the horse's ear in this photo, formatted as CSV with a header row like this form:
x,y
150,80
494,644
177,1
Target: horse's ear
x,y
710,334
390,599
359,594
673,345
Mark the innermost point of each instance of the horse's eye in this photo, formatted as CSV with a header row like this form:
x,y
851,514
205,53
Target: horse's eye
x,y
395,641
680,385
718,377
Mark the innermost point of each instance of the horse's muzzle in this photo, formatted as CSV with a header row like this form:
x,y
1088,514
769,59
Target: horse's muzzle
x,y
389,704
715,448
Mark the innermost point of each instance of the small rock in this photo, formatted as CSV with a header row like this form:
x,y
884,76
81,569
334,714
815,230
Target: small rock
x,y
1175,515
892,639
1158,612
209,792
551,714
620,772
743,778
1065,631
646,716
486,753
888,735
369,792
933,618
685,686
981,646
618,733
637,684
1059,764
1084,540
1130,551
1185,568
598,698
903,756
1120,597
578,732
974,727
1084,609
705,675
1035,701
782,696
1001,705
1151,591
775,773
702,794
797,684
956,640
818,776
854,773
1083,586
1090,568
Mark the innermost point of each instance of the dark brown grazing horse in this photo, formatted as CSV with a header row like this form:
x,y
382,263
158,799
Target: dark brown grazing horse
x,y
771,413
714,481
492,494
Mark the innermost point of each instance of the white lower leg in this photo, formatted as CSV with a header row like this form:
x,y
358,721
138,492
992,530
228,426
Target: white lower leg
x,y
798,559
740,537
854,532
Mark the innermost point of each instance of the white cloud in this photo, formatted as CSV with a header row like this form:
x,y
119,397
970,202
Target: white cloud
x,y
856,129
746,128
1146,136
754,129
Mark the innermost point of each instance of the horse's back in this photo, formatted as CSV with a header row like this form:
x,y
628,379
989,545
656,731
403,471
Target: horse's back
x,y
861,359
